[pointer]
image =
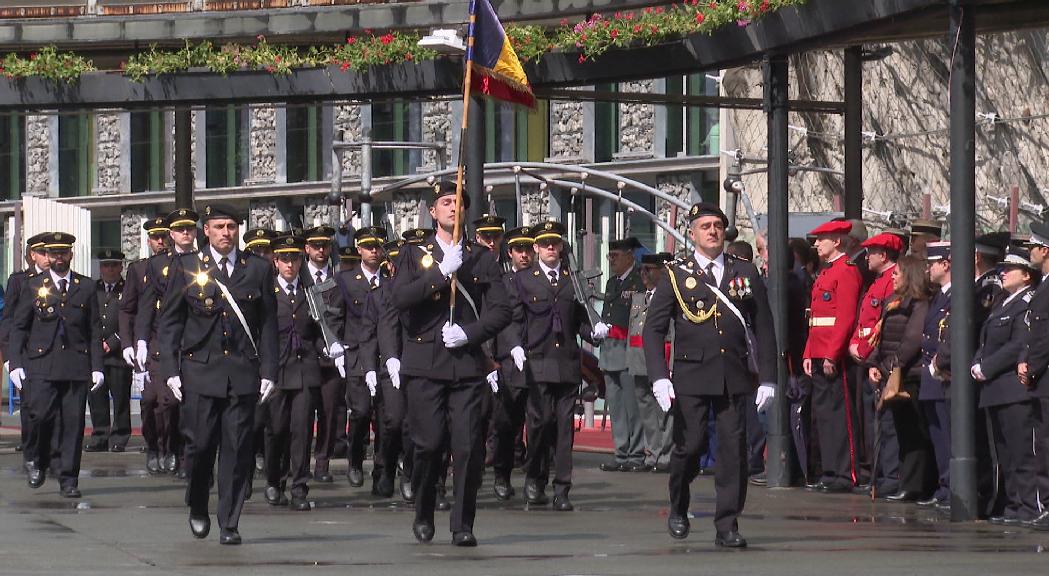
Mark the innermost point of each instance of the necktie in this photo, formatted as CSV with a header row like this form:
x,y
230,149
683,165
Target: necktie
x,y
374,282
62,284
710,278
291,290
648,296
553,277
109,288
320,276
222,266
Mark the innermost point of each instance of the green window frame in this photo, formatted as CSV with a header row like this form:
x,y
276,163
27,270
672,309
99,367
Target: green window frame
x,y
304,156
225,146
12,156
390,123
76,155
606,126
148,150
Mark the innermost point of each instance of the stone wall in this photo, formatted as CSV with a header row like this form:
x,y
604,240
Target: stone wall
x,y
131,230
348,122
680,187
566,131
406,208
316,211
637,122
437,127
264,214
535,204
38,155
262,139
108,153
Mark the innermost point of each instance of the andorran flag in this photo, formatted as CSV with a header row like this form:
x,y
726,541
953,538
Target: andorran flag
x,y
495,70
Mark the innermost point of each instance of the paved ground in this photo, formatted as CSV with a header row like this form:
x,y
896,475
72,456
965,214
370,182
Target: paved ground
x,y
130,523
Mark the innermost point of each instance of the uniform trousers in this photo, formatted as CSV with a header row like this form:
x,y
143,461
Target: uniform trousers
x,y
362,412
916,471
831,408
331,416
550,417
446,414
691,416
627,433
395,430
288,433
115,431
889,455
160,414
56,407
508,418
658,427
938,417
224,426
1040,415
1011,427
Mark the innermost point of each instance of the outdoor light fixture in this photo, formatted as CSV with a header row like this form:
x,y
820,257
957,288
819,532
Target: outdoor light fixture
x,y
444,41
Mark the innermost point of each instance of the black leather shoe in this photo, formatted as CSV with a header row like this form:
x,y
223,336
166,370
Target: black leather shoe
x,y
903,496
534,495
35,475
759,479
441,501
70,492
323,477
96,447
563,504
1004,520
423,530
706,471
943,506
465,538
383,488
503,489
406,490
356,476
229,537
117,448
611,467
299,504
181,474
678,527
170,463
929,502
273,496
661,468
260,463
152,463
1039,523
835,488
200,526
729,540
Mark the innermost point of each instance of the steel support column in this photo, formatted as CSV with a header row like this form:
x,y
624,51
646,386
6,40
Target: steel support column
x,y
853,200
776,109
475,163
962,39
183,157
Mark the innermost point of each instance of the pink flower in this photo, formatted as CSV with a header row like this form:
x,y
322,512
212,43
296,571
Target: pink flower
x,y
700,17
582,58
637,28
614,33
351,40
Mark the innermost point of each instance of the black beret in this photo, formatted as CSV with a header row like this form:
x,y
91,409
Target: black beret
x,y
447,187
706,209
657,258
220,212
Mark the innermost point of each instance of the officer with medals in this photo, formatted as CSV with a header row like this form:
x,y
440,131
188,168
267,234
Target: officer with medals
x,y
508,416
218,336
160,408
627,433
55,352
932,395
290,410
107,432
331,413
350,300
832,318
1033,367
37,263
443,366
723,347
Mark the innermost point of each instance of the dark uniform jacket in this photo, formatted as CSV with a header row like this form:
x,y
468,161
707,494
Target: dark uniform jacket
x,y
1036,348
615,312
201,337
350,302
134,285
505,341
301,344
161,269
422,293
306,281
56,337
1002,339
710,358
109,315
546,321
932,334
14,289
382,323
988,294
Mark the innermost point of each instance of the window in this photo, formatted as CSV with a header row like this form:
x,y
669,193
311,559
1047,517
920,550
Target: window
x,y
390,123
515,132
606,126
148,150
225,145
304,145
637,224
12,156
692,129
499,131
76,155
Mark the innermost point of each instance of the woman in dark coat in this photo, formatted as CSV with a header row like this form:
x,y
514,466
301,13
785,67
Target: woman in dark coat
x,y
900,333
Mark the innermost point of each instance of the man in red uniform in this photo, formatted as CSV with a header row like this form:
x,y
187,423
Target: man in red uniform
x,y
882,252
832,317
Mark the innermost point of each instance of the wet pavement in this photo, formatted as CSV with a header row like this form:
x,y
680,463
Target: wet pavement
x,y
128,522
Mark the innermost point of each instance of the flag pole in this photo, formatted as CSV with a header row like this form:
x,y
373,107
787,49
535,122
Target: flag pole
x,y
457,229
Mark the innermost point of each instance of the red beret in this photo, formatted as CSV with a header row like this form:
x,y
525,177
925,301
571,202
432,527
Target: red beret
x,y
832,227
885,240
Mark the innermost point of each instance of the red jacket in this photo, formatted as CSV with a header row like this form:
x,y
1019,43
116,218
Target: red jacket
x,y
871,306
832,313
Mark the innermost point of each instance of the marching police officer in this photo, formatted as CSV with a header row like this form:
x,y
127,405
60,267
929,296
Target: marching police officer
x,y
160,408
443,367
259,242
1033,368
55,351
108,432
157,234
348,258
489,230
723,346
218,336
290,422
835,295
547,319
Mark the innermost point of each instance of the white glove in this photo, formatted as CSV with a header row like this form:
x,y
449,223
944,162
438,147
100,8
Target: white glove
x,y
493,381
146,378
393,366
138,382
453,335
266,388
175,385
7,366
453,259
371,381
663,390
141,353
18,377
977,372
336,350
518,354
600,331
766,394
340,363
97,380
129,356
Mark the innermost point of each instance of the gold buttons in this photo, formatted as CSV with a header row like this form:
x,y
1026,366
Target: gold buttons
x,y
722,350
226,352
